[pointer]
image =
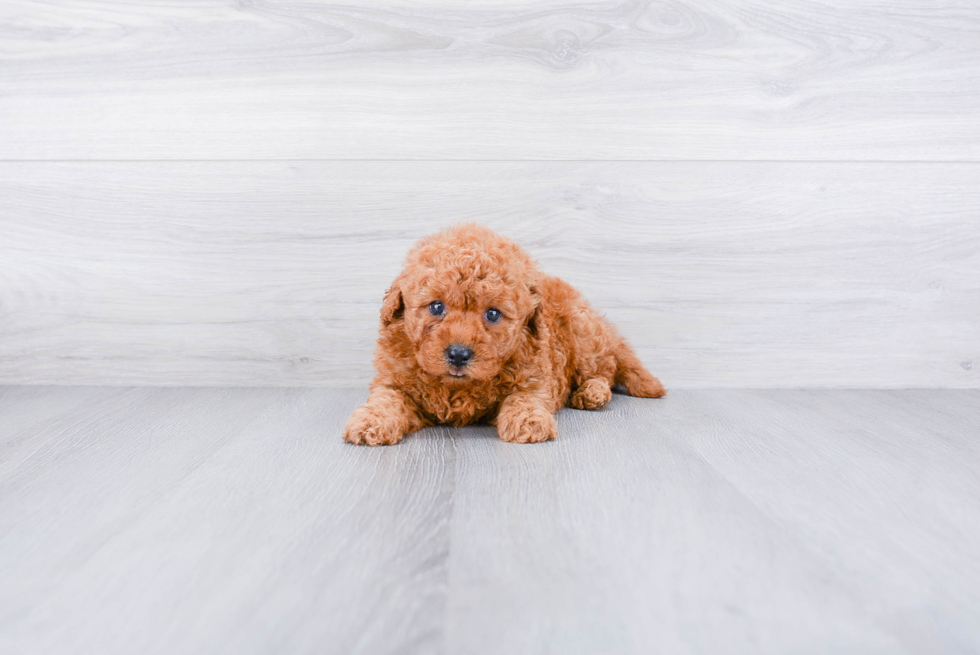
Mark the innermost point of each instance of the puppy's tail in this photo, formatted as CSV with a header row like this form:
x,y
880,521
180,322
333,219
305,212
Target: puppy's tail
x,y
631,374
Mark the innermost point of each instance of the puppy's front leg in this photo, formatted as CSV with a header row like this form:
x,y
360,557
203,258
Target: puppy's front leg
x,y
384,419
524,418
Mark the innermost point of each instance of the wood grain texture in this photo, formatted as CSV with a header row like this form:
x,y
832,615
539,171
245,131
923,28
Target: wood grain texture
x,y
699,79
739,521
736,274
222,521
724,522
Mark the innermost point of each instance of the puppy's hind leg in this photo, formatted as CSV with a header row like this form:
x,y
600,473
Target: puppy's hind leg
x,y
631,374
594,393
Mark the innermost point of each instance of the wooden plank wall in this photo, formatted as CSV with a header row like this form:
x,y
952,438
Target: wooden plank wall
x,y
781,194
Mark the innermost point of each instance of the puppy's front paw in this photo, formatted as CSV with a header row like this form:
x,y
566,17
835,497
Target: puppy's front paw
x,y
366,427
526,425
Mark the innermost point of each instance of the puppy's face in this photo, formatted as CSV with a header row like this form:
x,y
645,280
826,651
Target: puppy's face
x,y
464,334
465,307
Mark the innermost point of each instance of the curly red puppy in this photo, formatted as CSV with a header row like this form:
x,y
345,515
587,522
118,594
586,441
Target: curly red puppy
x,y
472,331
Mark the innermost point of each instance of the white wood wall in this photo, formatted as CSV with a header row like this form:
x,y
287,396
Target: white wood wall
x,y
768,194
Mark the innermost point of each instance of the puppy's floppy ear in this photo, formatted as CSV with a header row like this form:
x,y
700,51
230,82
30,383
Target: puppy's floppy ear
x,y
533,322
393,307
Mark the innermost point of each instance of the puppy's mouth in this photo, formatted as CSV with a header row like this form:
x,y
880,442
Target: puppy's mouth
x,y
456,373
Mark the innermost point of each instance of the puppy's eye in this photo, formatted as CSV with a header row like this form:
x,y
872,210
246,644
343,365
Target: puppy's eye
x,y
493,315
436,308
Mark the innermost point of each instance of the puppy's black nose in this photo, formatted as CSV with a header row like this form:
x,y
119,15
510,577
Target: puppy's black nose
x,y
459,356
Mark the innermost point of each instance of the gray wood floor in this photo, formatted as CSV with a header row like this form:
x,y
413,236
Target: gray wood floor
x,y
140,520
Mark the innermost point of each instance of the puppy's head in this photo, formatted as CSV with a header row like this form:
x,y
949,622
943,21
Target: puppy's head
x,y
465,301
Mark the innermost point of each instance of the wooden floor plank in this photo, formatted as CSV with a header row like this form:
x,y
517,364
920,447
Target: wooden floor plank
x,y
886,493
734,521
237,523
62,408
619,537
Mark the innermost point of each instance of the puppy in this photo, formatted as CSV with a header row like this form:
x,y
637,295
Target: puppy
x,y
472,331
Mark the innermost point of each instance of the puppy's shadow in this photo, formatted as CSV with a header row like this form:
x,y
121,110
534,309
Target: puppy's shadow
x,y
480,431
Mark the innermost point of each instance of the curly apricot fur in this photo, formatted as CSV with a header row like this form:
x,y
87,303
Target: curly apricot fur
x,y
550,349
